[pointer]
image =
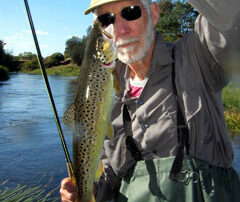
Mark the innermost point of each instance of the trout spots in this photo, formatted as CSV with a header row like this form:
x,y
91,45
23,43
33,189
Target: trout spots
x,y
96,84
85,150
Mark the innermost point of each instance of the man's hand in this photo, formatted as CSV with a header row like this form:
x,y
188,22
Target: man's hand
x,y
68,190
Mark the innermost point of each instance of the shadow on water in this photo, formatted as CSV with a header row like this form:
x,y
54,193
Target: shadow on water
x,y
31,152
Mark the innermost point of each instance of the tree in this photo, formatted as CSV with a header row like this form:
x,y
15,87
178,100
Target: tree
x,y
1,51
30,65
75,48
7,59
187,16
176,19
27,56
54,59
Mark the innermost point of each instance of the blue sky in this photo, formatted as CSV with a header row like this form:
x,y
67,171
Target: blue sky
x,y
55,21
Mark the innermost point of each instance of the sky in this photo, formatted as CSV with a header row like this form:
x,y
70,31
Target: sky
x,y
55,22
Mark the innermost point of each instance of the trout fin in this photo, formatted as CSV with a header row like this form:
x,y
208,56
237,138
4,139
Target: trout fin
x,y
116,84
69,116
100,171
110,131
92,199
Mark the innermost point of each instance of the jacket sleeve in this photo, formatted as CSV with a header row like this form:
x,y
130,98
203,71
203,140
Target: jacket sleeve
x,y
218,27
220,13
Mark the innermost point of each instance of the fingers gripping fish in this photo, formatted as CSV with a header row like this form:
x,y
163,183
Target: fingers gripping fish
x,y
89,115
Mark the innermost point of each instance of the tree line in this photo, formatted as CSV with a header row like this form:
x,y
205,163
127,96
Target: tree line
x,y
176,19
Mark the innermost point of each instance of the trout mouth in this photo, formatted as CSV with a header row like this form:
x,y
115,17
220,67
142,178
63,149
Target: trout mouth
x,y
105,51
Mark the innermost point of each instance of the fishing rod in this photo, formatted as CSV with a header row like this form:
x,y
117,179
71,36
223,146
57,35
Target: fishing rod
x,y
45,78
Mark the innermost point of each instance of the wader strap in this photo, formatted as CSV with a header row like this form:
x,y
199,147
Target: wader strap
x,y
182,133
131,146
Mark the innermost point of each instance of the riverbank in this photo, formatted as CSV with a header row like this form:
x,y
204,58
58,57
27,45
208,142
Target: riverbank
x,y
62,70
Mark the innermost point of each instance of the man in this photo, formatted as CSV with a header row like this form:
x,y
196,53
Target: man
x,y
171,99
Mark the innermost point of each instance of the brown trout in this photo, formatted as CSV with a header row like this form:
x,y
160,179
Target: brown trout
x,y
89,115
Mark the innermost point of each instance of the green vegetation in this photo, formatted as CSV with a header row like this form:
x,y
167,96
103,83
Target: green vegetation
x,y
53,60
231,97
27,194
31,62
232,119
176,19
26,56
3,73
62,70
231,101
30,65
8,62
75,49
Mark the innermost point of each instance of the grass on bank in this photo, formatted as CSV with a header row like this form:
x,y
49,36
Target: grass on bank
x,y
62,70
231,101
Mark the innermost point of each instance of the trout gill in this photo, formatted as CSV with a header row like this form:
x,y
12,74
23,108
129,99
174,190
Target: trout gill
x,y
89,115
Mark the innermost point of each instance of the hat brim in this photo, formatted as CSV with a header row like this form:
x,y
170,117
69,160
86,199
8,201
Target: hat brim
x,y
101,3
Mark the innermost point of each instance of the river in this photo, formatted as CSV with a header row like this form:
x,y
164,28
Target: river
x,y
31,152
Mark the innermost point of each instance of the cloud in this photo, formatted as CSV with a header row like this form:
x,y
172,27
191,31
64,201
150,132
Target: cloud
x,y
38,32
70,36
22,41
19,39
42,33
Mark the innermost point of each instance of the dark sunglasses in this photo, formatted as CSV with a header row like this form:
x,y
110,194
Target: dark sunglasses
x,y
128,13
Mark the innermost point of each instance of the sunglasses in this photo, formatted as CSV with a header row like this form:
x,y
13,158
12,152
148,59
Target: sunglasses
x,y
128,13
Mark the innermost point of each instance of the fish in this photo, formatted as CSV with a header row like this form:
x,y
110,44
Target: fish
x,y
89,116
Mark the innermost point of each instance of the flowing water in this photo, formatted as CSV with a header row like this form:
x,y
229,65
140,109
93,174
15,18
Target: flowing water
x,y
30,148
31,152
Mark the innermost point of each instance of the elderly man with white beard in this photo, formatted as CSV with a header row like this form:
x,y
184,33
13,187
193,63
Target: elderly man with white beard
x,y
170,138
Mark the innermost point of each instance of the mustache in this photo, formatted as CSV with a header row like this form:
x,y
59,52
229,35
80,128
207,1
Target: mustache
x,y
122,42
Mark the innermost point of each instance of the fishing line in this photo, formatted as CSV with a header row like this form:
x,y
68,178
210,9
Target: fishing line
x,y
45,78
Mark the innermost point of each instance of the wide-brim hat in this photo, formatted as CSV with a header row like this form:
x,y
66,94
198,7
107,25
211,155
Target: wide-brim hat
x,y
96,3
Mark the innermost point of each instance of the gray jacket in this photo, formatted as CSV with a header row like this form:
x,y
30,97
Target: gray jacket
x,y
203,61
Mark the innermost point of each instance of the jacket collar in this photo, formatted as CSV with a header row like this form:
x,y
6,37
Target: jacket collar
x,y
161,53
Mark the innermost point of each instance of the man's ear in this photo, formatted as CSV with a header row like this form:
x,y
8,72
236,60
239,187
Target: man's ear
x,y
155,12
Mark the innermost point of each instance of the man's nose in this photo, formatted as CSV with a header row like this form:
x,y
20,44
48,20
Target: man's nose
x,y
121,27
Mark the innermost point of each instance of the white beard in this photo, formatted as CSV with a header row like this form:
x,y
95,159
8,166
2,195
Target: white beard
x,y
127,54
